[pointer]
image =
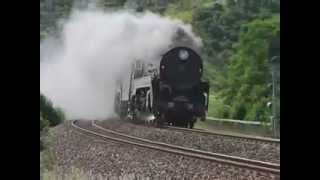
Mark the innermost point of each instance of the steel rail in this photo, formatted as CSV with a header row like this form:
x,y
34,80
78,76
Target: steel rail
x,y
221,158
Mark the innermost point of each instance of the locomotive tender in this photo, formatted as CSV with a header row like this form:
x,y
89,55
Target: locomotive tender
x,y
171,92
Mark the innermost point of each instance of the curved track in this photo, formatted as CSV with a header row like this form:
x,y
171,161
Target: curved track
x,y
91,128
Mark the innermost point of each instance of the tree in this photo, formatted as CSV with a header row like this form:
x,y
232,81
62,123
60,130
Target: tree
x,y
249,74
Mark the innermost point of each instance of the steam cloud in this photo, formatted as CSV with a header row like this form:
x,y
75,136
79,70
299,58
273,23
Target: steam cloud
x,y
78,72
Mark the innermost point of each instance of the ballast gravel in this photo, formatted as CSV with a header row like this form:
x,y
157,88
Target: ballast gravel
x,y
269,152
110,159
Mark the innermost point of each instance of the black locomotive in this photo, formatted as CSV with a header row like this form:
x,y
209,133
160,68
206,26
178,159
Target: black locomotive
x,y
174,93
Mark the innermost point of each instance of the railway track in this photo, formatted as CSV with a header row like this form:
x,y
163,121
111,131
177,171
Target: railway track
x,y
235,136
91,128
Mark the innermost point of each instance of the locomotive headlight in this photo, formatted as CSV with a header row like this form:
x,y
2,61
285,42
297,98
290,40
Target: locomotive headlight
x,y
183,55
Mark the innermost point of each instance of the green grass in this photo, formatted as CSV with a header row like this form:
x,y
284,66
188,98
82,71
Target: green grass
x,y
210,108
222,127
47,157
217,108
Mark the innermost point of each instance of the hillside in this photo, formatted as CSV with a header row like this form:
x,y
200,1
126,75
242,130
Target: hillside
x,y
235,35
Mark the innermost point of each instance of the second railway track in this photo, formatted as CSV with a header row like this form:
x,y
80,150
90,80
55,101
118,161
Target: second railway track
x,y
91,128
229,135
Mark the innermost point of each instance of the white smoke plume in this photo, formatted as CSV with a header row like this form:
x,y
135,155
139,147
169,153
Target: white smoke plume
x,y
78,72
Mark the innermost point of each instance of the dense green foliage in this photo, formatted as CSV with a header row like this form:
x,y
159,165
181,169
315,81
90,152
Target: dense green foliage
x,y
219,27
248,74
235,35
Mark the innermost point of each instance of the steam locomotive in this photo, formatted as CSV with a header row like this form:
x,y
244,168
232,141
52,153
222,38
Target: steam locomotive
x,y
171,92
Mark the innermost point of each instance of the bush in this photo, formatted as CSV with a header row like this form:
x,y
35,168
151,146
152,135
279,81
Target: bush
x,y
54,115
238,110
259,112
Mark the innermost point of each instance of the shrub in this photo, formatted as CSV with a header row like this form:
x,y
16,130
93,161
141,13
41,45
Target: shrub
x,y
54,115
